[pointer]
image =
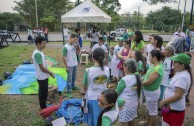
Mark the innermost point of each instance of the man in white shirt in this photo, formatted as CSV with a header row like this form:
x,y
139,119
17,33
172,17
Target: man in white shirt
x,y
66,33
42,72
70,62
179,33
100,45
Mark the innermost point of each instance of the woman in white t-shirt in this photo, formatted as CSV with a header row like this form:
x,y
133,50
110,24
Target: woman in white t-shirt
x,y
95,81
115,60
174,98
168,69
95,37
129,88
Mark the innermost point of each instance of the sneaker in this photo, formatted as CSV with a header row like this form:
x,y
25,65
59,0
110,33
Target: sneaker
x,y
75,88
69,95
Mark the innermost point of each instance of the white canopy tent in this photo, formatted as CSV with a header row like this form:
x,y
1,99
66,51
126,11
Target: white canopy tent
x,y
86,12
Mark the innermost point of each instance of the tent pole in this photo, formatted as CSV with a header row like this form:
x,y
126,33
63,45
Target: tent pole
x,y
109,39
63,34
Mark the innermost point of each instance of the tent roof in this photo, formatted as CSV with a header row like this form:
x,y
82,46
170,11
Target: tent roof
x,y
86,12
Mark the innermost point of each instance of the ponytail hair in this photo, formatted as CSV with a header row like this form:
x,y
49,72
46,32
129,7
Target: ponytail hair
x,y
157,54
188,68
111,97
138,85
99,123
159,40
99,55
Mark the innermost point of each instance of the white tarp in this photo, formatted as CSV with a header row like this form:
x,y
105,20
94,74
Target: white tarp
x,y
86,12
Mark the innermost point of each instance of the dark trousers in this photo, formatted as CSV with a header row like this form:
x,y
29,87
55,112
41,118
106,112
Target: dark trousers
x,y
43,92
46,37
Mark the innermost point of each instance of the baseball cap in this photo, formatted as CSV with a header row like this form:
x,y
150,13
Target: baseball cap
x,y
182,58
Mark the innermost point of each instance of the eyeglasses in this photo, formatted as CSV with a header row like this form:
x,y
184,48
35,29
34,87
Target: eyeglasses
x,y
101,102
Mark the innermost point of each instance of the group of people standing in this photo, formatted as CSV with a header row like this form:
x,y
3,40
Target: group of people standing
x,y
163,78
37,32
158,77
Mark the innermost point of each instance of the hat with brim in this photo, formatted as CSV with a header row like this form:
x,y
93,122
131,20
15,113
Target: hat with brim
x,y
120,39
182,58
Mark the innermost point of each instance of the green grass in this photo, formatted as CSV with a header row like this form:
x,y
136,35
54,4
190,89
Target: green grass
x,y
22,110
12,56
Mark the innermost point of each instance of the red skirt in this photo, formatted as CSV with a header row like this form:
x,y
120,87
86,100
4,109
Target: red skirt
x,y
174,118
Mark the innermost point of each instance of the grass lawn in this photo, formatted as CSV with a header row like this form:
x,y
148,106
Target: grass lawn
x,y
22,110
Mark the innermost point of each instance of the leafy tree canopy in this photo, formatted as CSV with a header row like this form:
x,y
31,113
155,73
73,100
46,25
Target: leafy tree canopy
x,y
164,18
49,11
110,7
9,20
152,2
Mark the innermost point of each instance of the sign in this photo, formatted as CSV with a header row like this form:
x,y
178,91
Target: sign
x,y
191,26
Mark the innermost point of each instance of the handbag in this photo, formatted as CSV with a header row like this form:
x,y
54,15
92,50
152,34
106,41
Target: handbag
x,y
165,108
120,65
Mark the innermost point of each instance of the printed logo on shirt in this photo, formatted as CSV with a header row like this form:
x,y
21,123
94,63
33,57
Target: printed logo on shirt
x,y
134,87
102,79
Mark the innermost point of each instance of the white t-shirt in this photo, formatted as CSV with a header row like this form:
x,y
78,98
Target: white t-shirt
x,y
65,31
71,56
95,37
98,46
177,34
182,80
30,32
149,48
40,75
167,69
112,114
117,49
130,91
97,81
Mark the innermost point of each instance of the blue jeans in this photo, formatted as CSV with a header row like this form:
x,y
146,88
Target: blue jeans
x,y
71,77
162,91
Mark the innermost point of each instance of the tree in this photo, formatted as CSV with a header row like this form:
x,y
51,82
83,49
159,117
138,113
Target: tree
x,y
132,21
152,2
164,19
111,7
9,20
49,11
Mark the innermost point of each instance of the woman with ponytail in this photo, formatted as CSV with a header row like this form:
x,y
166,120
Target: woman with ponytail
x,y
129,88
151,86
110,104
95,81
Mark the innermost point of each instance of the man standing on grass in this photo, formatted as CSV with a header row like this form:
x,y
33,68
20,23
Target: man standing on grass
x,y
42,72
70,61
66,33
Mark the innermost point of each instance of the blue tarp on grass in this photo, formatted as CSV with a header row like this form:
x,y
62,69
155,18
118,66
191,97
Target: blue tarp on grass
x,y
24,81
